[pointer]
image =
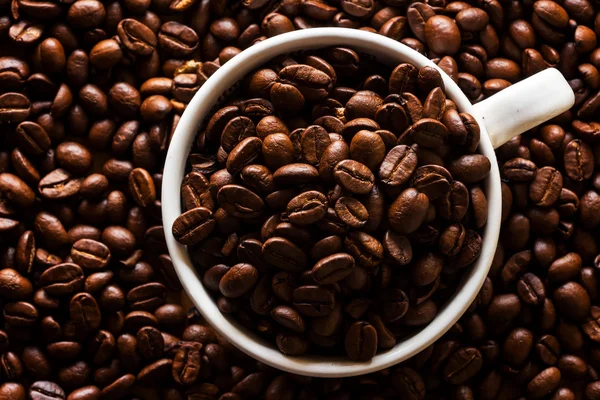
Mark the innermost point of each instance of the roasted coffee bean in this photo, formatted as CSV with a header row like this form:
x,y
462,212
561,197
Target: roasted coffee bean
x,y
313,301
432,180
90,254
187,363
361,341
141,187
307,208
32,138
240,202
531,289
544,382
194,225
238,280
397,247
470,168
84,312
428,132
368,148
284,254
136,37
578,160
313,142
398,166
408,211
15,107
62,279
333,268
354,176
146,297
312,83
462,365
46,390
351,211
59,184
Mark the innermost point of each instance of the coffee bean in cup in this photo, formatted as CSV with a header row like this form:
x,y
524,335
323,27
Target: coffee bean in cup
x,y
332,188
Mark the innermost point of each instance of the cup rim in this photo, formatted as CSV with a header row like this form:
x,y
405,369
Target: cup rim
x,y
201,105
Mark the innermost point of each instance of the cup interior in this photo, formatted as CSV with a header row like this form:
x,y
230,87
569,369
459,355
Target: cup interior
x,y
386,51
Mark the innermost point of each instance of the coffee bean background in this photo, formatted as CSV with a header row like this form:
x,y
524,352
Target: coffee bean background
x,y
91,91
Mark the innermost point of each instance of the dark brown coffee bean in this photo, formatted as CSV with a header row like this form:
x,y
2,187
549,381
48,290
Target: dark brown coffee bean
x,y
313,301
361,341
578,160
15,107
462,365
136,37
428,132
150,343
442,35
427,269
546,187
432,180
544,382
408,211
15,192
240,202
195,192
409,383
193,226
46,390
312,83
351,211
84,312
398,166
531,289
32,137
155,372
25,252
288,318
90,254
236,130
284,254
313,142
307,208
187,363
278,150
367,148
565,268
397,247
452,239
62,279
59,184
354,176
332,268
470,168
572,299
119,240
141,187
238,280
146,297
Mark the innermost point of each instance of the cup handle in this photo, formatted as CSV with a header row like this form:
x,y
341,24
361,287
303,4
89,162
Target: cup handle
x,y
525,105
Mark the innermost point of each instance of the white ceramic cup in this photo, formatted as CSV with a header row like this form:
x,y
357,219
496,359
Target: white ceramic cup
x,y
501,117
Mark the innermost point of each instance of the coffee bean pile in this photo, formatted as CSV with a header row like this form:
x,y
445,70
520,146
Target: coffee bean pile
x,y
336,235
68,68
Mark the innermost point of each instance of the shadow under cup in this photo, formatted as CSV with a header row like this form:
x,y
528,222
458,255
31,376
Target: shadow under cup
x,y
211,94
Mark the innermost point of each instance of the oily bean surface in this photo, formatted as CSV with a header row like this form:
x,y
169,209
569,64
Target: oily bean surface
x,y
91,91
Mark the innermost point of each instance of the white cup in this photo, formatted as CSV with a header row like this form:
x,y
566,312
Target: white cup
x,y
506,114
